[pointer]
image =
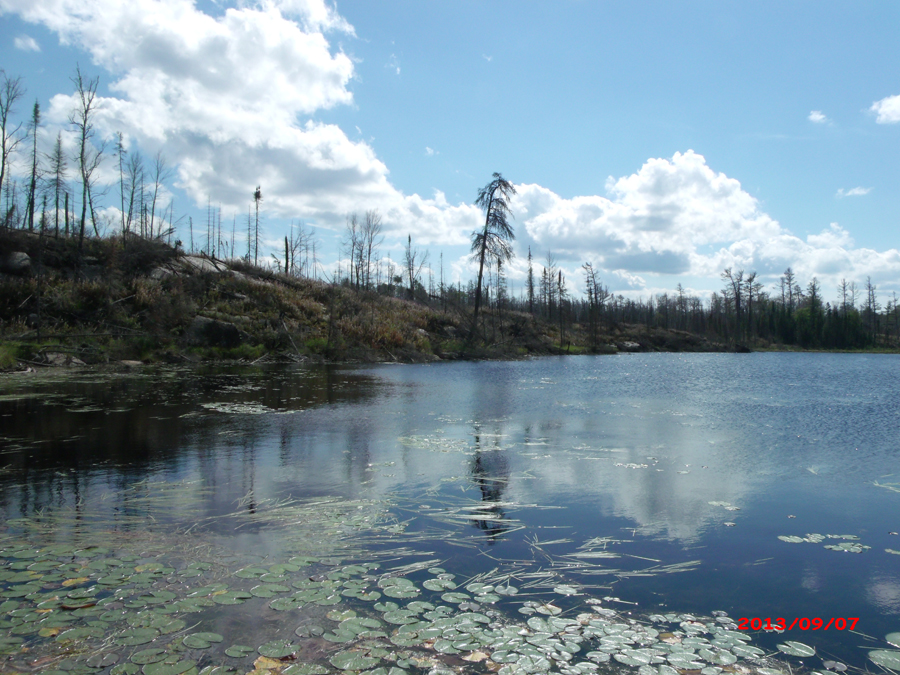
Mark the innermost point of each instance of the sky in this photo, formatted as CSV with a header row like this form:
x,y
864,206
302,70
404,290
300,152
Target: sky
x,y
662,142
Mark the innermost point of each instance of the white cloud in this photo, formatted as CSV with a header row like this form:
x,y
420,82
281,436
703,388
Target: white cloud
x,y
430,151
393,63
817,117
26,43
853,192
678,218
887,110
228,99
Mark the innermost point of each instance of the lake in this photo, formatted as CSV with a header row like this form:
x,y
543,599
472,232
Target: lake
x,y
572,514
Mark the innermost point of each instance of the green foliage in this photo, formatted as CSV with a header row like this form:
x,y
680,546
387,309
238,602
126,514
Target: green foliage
x,y
7,357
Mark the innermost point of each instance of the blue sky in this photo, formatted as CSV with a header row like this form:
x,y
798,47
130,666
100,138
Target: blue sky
x,y
660,141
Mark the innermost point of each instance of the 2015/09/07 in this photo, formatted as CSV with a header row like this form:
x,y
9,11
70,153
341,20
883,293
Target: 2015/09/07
x,y
803,623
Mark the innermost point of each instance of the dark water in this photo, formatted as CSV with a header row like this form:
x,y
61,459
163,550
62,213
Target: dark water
x,y
526,463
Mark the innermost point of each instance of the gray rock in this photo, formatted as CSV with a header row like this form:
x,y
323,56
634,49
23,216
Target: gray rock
x,y
206,332
15,262
60,359
193,263
629,346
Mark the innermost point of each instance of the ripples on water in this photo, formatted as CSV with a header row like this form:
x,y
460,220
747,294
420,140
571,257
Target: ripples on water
x,y
601,470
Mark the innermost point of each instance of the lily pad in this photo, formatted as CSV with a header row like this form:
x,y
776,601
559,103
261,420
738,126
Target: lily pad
x,y
167,668
889,658
136,636
231,598
201,640
146,656
352,660
796,649
278,649
238,651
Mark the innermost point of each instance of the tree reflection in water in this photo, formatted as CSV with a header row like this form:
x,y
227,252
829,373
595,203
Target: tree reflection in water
x,y
490,472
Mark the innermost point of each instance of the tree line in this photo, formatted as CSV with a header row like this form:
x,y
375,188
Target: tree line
x,y
743,312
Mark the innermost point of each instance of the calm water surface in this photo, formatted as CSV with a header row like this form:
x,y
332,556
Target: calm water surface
x,y
685,468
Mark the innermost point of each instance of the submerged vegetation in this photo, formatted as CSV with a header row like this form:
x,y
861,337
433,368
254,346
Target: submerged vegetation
x,y
145,592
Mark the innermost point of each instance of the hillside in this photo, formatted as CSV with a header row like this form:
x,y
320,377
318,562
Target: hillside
x,y
137,300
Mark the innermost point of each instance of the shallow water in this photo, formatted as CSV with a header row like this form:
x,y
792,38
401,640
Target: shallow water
x,y
591,472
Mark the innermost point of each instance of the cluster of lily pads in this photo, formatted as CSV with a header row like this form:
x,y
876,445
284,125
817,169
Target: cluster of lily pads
x,y
95,610
850,546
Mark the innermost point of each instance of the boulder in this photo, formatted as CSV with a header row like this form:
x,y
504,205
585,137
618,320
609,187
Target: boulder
x,y
628,346
206,332
195,263
15,262
60,359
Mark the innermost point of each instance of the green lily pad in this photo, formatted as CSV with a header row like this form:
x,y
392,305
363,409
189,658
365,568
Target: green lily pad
x,y
79,633
439,585
136,636
339,636
796,649
250,572
747,651
893,638
166,668
201,640
285,604
352,660
268,590
889,658
125,669
238,651
231,598
278,649
146,656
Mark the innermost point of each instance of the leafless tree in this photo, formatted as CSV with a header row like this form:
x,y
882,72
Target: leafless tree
x,y
33,126
161,173
11,90
371,240
89,156
134,171
414,262
57,184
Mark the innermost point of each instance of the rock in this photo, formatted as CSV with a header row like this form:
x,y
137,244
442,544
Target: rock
x,y
160,273
628,346
60,359
15,262
193,263
206,332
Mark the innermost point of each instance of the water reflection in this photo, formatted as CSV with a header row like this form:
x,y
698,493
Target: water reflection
x,y
490,472
631,449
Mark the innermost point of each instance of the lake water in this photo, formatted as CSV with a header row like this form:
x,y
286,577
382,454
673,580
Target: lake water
x,y
598,489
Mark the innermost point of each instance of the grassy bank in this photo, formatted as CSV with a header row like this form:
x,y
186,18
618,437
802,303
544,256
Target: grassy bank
x,y
138,300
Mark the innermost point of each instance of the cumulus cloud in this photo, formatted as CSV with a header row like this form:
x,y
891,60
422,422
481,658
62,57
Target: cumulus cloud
x,y
678,217
26,43
229,99
887,110
853,192
817,117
